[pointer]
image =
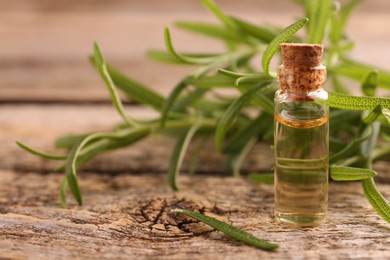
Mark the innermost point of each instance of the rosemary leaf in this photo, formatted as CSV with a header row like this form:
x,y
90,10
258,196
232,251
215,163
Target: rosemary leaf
x,y
214,81
72,162
71,177
352,146
171,99
386,114
273,47
358,71
263,34
254,79
342,173
41,154
319,17
339,22
178,156
266,178
370,84
232,112
64,186
211,30
164,57
372,116
189,100
182,57
229,230
101,66
344,101
69,140
237,158
213,8
377,201
257,127
236,75
367,147
135,90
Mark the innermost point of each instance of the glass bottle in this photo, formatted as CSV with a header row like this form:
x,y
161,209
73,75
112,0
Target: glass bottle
x,y
301,140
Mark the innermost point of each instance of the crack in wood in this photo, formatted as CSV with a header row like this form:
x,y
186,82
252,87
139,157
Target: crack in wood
x,y
155,214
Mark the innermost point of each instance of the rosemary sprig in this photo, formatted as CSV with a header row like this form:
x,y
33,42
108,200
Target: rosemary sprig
x,y
360,125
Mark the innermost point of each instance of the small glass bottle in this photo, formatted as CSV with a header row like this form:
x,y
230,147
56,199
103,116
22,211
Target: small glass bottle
x,y
301,140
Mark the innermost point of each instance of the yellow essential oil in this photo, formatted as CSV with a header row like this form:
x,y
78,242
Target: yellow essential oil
x,y
301,140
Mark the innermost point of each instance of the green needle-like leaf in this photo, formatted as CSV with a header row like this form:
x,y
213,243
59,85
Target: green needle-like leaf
x,y
358,71
252,79
261,100
267,178
367,147
167,57
135,90
342,173
164,57
178,156
352,146
209,82
171,100
273,47
77,154
372,116
257,127
344,101
41,154
236,233
236,75
237,158
70,171
261,33
232,112
69,140
183,58
376,199
319,17
213,8
64,186
370,84
116,101
386,114
338,23
211,30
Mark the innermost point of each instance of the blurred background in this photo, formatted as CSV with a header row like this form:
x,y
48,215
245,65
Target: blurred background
x,y
44,44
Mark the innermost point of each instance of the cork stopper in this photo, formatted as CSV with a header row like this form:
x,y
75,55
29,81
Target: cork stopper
x,y
301,71
306,55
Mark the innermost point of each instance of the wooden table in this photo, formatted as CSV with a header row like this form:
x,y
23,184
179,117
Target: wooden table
x,y
48,89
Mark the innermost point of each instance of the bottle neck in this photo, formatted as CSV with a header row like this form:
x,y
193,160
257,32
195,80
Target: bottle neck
x,y
301,80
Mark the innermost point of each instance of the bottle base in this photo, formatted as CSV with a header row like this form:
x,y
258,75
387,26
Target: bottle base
x,y
301,220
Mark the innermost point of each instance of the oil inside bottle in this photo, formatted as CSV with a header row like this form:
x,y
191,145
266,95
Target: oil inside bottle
x,y
301,166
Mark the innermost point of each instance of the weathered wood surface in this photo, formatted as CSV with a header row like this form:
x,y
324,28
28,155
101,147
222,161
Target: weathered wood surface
x,y
44,45
127,217
126,214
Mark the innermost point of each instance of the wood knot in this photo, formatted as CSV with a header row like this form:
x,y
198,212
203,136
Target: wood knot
x,y
156,215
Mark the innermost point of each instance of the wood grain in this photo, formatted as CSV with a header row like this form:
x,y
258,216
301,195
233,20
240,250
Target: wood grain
x,y
126,211
48,89
127,216
45,46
